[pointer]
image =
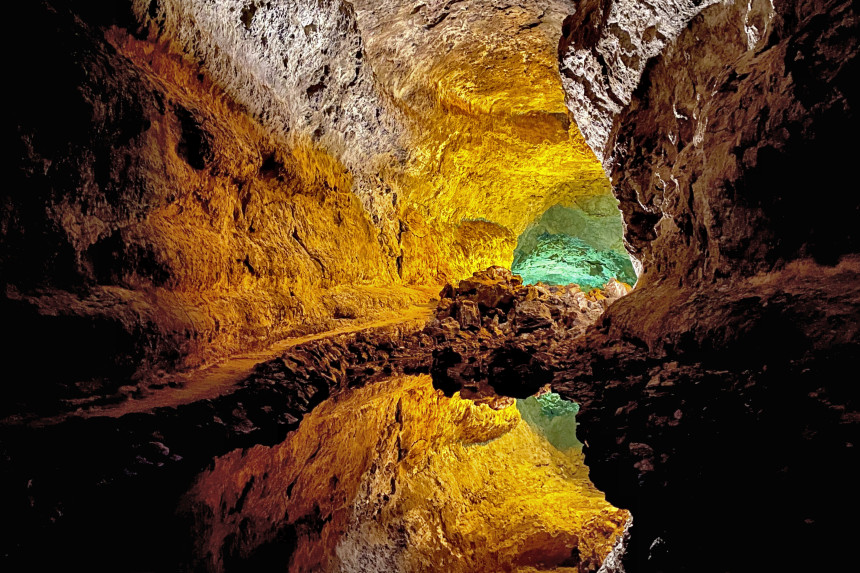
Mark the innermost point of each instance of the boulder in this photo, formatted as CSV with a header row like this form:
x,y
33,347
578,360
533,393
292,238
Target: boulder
x,y
531,315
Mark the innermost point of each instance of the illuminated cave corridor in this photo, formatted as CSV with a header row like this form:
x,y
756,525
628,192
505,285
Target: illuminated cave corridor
x,y
430,285
581,244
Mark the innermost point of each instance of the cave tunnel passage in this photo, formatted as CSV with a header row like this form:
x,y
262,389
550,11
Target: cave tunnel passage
x,y
578,243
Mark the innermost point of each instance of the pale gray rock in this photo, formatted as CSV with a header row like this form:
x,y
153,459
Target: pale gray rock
x,y
604,50
299,68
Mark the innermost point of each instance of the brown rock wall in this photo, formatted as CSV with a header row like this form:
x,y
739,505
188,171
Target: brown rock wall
x,y
714,383
152,223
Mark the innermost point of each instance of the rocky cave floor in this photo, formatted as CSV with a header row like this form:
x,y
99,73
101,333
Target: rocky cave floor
x,y
209,483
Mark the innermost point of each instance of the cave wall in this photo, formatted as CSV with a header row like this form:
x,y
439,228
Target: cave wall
x,y
298,68
728,158
153,222
492,145
603,52
734,162
710,161
189,172
596,220
709,155
448,116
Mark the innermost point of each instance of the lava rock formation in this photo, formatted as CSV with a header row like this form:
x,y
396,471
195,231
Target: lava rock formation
x,y
193,180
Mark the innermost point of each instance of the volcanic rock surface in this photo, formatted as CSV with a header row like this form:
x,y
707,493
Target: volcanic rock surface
x,y
153,223
496,337
722,382
197,178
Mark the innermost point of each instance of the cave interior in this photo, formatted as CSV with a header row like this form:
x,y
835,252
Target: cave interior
x,y
431,285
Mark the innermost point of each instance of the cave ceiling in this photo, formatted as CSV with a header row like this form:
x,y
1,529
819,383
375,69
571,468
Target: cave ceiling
x,y
449,116
492,138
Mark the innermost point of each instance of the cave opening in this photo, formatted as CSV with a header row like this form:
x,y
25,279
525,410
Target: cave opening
x,y
580,243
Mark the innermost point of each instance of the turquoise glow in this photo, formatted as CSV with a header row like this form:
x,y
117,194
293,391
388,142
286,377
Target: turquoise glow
x,y
562,259
552,416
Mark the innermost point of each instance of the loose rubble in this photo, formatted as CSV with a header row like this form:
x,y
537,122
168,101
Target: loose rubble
x,y
495,336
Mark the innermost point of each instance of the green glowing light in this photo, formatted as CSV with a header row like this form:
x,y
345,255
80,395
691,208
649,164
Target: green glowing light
x,y
552,416
562,259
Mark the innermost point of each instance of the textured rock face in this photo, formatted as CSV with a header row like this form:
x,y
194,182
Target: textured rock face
x,y
298,68
605,47
153,224
396,477
747,306
493,146
553,417
593,220
765,389
717,128
190,172
581,243
562,259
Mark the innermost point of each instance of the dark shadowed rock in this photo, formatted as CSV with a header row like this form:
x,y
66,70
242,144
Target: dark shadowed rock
x,y
530,315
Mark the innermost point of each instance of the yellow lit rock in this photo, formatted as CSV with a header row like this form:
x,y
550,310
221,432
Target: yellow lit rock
x,y
208,262
254,164
492,143
397,477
